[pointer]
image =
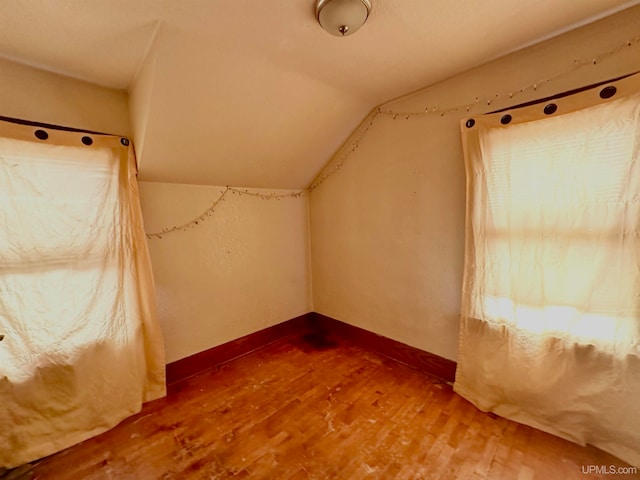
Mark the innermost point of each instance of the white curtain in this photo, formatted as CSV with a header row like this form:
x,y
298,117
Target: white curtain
x,y
550,321
82,349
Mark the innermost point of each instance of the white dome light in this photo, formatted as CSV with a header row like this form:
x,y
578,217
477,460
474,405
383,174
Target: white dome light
x,y
342,17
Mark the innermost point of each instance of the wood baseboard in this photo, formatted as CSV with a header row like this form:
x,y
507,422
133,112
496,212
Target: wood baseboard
x,y
320,330
221,354
425,362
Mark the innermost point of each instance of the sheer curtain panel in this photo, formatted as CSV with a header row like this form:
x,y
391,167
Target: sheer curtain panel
x,y
82,349
550,321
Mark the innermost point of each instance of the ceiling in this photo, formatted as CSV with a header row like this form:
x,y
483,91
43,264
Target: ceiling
x,y
254,93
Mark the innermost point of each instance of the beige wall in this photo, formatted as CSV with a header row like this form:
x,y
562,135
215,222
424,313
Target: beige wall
x,y
31,94
243,269
387,229
140,95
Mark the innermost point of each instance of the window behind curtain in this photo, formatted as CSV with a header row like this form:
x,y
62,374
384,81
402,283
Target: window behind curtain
x,y
82,348
59,264
550,310
560,215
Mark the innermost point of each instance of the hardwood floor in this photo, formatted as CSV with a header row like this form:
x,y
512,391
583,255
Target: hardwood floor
x,y
303,408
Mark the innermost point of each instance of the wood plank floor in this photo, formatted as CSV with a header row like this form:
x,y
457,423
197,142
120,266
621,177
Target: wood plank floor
x,y
304,409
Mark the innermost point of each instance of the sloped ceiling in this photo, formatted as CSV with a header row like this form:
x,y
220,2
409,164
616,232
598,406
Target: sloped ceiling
x,y
253,92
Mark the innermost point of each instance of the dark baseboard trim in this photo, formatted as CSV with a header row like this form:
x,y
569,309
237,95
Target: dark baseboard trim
x,y
322,327
221,354
425,362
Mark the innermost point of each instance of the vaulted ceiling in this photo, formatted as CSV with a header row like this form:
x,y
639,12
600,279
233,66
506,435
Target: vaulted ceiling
x,y
253,92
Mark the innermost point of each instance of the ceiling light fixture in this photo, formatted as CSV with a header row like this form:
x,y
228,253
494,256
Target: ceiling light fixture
x,y
342,17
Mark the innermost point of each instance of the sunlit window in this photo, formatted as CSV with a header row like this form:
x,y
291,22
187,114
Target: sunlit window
x,y
560,223
60,282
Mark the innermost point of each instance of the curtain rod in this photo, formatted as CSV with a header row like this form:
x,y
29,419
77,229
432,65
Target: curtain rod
x,y
52,126
563,94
